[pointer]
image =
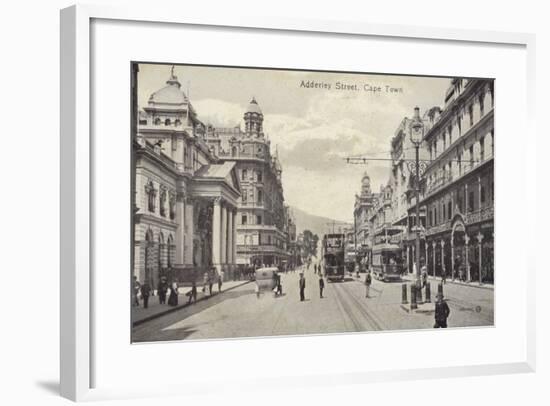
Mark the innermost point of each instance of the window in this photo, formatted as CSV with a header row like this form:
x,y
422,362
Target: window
x,y
178,122
259,176
450,131
459,125
258,219
444,136
260,196
459,159
172,204
245,196
482,194
244,219
162,200
471,201
443,212
449,210
471,156
167,122
268,240
244,174
482,149
471,114
157,121
481,105
435,215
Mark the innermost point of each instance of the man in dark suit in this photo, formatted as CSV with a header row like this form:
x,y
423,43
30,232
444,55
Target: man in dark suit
x,y
321,285
441,312
302,287
145,292
162,288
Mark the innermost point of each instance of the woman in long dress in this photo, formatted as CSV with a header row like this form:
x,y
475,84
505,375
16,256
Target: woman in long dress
x,y
173,299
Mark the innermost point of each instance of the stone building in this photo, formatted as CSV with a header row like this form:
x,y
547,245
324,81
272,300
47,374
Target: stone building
x,y
458,191
364,203
185,197
262,227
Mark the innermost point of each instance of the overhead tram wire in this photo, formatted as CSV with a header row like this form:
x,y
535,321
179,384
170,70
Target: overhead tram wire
x,y
364,160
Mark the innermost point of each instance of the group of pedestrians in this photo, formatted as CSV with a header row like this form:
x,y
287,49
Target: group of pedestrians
x,y
170,291
144,290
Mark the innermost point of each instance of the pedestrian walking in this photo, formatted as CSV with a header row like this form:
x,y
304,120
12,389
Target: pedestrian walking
x,y
257,290
302,284
220,281
145,293
211,282
173,298
192,294
135,290
162,288
321,285
368,281
441,312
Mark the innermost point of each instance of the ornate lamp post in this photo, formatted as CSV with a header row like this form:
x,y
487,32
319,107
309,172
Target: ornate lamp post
x,y
416,136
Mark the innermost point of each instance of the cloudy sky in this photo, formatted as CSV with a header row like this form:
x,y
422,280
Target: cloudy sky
x,y
312,128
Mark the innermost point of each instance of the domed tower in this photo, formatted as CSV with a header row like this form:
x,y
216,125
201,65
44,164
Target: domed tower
x,y
365,184
253,120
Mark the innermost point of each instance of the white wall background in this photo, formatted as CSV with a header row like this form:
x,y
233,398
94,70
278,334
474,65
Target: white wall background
x,y
29,109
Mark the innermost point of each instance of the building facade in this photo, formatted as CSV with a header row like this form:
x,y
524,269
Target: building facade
x,y
185,197
458,190
262,218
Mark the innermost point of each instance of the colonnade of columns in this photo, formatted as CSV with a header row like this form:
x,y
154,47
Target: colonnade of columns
x,y
478,240
224,241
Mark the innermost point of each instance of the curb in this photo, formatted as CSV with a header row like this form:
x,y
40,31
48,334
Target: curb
x,y
179,307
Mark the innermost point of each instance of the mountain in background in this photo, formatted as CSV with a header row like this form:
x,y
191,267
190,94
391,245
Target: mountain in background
x,y
316,224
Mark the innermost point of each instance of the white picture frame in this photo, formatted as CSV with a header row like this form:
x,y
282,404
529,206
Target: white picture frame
x,y
77,256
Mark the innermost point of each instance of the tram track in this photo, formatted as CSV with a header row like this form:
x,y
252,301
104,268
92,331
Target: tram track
x,y
349,303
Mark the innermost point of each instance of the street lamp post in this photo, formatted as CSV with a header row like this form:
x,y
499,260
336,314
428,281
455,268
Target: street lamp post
x,y
417,134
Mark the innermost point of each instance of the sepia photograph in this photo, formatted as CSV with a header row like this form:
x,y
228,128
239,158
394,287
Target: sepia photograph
x,y
282,202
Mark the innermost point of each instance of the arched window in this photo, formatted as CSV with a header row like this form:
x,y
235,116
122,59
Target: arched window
x,y
148,261
170,251
234,151
157,121
167,122
178,122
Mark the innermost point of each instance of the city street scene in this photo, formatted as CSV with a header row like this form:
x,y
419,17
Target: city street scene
x,y
272,202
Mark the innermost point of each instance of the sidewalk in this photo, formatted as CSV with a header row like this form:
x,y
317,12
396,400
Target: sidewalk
x,y
155,309
473,284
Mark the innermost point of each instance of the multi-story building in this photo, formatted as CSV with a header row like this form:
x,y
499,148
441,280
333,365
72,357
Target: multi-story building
x,y
457,193
364,202
261,227
185,198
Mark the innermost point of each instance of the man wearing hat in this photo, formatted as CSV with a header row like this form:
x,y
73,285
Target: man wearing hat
x,y
302,287
441,311
162,288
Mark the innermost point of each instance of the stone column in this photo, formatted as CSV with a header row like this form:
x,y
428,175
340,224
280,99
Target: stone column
x,y
229,254
479,240
426,256
452,258
466,241
442,256
434,244
234,239
223,235
408,259
180,232
216,234
189,230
